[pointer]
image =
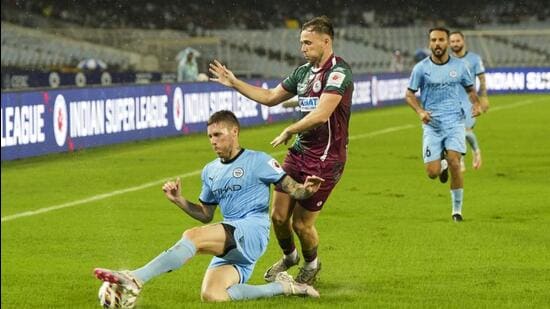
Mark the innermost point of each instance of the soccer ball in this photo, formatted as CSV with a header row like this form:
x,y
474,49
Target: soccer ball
x,y
111,296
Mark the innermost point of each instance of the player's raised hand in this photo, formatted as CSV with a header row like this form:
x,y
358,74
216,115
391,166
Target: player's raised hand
x,y
172,189
221,74
283,138
313,183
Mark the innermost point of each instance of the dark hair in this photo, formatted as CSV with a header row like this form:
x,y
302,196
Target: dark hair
x,y
457,32
224,116
440,29
320,24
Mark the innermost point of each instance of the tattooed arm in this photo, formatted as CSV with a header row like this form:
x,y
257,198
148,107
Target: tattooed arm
x,y
301,191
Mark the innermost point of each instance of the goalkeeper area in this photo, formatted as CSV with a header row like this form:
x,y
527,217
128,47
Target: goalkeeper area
x,y
387,238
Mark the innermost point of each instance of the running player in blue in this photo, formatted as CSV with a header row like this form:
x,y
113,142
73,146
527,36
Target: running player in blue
x,y
475,65
239,183
440,79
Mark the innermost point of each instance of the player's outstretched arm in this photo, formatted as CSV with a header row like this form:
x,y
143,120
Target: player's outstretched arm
x,y
201,212
301,191
268,97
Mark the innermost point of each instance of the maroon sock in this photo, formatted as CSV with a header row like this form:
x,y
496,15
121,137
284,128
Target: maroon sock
x,y
310,255
287,245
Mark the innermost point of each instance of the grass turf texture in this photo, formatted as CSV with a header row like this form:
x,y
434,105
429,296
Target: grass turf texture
x,y
387,238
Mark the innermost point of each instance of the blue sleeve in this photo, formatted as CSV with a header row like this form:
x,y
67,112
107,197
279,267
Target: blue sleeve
x,y
268,169
479,68
206,196
415,82
467,79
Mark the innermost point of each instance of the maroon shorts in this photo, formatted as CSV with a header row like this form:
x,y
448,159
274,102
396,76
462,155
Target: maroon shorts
x,y
299,167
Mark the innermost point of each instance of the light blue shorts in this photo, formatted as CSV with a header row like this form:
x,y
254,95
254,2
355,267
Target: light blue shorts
x,y
437,139
251,237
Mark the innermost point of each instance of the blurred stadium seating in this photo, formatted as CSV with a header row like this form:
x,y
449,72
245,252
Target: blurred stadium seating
x,y
145,35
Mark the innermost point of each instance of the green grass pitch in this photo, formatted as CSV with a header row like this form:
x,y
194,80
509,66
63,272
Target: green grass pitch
x,y
387,239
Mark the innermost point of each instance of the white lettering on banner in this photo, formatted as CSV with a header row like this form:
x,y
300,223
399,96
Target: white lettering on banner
x,y
129,114
391,89
361,92
22,125
151,112
538,80
221,100
505,81
87,118
197,107
244,107
374,91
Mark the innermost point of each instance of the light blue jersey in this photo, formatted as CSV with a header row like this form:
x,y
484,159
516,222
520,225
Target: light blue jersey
x,y
441,87
475,65
241,189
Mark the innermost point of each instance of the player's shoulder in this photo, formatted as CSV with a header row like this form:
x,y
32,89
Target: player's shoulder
x,y
212,164
250,154
420,65
473,55
341,65
460,62
302,69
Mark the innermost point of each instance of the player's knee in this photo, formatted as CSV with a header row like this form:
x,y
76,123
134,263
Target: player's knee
x,y
299,227
191,233
278,219
433,172
212,295
454,163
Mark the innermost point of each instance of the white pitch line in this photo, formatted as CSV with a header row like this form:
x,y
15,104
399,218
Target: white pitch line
x,y
197,172
160,181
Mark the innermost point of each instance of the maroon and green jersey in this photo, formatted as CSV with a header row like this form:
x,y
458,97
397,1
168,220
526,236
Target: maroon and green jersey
x,y
328,141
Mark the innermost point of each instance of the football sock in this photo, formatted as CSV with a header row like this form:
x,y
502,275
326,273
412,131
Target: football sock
x,y
472,140
312,265
456,197
293,256
167,261
247,291
287,245
310,257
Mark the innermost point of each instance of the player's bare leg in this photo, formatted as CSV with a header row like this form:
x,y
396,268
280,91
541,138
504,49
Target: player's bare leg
x,y
457,184
216,282
436,168
303,223
281,213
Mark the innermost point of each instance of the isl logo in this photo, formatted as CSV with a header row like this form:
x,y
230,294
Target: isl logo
x,y
60,121
177,108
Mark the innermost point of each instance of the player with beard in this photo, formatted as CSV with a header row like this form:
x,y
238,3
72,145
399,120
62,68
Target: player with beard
x,y
440,79
324,88
475,64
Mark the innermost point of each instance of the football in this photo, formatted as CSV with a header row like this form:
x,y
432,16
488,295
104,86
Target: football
x,y
111,296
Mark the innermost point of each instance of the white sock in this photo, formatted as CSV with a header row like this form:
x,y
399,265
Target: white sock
x,y
293,256
311,265
456,197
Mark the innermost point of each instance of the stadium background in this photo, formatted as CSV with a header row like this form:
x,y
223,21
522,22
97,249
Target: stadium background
x,y
63,214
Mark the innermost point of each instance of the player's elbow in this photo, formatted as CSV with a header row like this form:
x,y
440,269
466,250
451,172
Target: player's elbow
x,y
271,101
207,219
